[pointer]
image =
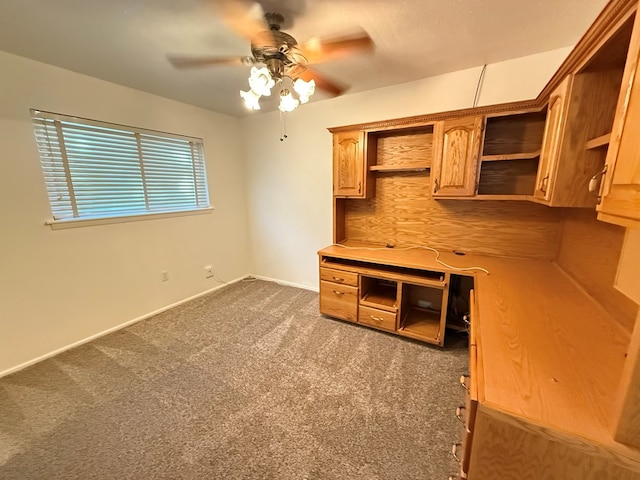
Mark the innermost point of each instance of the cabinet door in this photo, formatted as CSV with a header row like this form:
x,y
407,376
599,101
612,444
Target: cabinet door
x,y
349,164
455,161
552,141
620,195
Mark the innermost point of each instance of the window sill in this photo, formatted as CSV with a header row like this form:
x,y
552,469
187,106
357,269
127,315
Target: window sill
x,y
90,222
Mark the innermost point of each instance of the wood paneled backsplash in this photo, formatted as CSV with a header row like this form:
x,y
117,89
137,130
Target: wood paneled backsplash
x,y
589,252
403,213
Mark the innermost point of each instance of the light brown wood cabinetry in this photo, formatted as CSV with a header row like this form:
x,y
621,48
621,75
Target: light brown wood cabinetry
x,y
350,165
620,202
455,160
404,299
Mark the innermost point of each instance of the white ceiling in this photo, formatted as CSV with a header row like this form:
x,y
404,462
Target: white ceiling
x,y
126,41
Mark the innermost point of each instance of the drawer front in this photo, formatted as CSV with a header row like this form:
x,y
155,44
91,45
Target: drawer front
x,y
377,318
338,276
340,301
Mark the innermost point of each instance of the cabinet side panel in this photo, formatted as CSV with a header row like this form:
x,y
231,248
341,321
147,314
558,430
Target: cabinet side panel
x,y
589,252
504,450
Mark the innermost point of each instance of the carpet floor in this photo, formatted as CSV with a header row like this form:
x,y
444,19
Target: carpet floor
x,y
248,382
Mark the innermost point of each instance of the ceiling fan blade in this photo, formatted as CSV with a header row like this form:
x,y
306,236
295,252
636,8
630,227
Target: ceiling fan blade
x,y
205,61
246,18
318,50
323,82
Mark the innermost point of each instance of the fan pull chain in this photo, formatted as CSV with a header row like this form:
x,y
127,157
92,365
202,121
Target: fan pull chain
x,y
283,125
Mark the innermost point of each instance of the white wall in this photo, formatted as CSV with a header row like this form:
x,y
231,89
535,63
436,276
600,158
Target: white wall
x,y
289,183
59,287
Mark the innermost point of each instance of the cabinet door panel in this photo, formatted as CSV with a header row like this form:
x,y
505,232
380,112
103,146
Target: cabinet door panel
x,y
349,164
552,141
620,201
456,157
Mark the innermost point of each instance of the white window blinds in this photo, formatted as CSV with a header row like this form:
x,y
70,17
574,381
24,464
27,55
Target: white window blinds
x,y
96,170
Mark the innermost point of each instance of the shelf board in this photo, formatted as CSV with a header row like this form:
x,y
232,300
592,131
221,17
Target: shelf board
x,y
490,197
422,324
399,168
510,156
381,297
598,142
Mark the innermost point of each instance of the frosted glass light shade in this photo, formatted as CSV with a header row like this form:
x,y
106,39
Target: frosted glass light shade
x,y
251,99
260,81
304,89
287,102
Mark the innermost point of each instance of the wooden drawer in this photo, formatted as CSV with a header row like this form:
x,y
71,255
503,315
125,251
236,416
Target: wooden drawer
x,y
377,318
340,301
338,276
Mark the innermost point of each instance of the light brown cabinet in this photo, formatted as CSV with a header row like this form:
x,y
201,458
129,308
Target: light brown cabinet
x,y
455,159
552,140
411,302
350,165
620,202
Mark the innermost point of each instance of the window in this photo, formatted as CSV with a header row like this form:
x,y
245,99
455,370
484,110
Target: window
x,y
98,170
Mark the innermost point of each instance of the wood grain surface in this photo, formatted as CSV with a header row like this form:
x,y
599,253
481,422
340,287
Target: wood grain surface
x,y
403,214
404,149
589,251
514,133
507,449
509,177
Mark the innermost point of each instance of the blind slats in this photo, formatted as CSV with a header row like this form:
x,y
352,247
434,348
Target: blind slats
x,y
94,169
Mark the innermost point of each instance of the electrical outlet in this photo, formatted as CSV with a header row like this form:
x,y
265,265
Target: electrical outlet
x,y
164,275
208,271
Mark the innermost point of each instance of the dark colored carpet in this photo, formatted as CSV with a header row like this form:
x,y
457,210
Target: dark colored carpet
x,y
249,382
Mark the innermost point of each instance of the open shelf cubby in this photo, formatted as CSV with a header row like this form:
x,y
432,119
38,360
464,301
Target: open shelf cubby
x,y
379,293
422,315
406,149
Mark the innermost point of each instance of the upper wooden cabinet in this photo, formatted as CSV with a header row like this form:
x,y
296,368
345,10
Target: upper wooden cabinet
x,y
620,193
455,156
552,141
350,165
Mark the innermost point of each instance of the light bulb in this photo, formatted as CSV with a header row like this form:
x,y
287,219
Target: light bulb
x,y
287,102
304,89
251,99
260,81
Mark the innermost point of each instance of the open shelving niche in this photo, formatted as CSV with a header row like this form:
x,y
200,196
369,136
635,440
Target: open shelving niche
x,y
510,155
402,150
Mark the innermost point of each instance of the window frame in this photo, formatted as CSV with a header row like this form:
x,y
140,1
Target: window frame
x,y
197,156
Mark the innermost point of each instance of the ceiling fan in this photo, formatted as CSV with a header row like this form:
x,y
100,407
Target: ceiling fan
x,y
277,58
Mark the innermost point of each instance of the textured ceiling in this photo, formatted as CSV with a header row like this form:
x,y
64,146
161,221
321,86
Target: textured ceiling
x,y
126,41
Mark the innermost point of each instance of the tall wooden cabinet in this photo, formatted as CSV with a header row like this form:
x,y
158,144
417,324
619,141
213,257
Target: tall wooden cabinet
x,y
455,160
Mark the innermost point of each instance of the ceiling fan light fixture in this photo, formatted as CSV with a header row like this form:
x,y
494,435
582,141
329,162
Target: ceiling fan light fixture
x,y
304,89
287,102
251,99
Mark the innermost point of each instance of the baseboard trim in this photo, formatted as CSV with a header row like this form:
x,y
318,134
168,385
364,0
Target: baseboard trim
x,y
117,327
284,282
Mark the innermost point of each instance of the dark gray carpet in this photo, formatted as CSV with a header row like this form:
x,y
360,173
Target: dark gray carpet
x,y
249,382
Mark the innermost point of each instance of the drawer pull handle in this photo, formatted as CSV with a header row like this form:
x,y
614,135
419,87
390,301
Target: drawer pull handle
x,y
338,293
454,451
338,279
459,415
377,319
463,382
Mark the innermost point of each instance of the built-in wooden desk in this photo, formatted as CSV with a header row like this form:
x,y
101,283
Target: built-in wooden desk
x,y
547,360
